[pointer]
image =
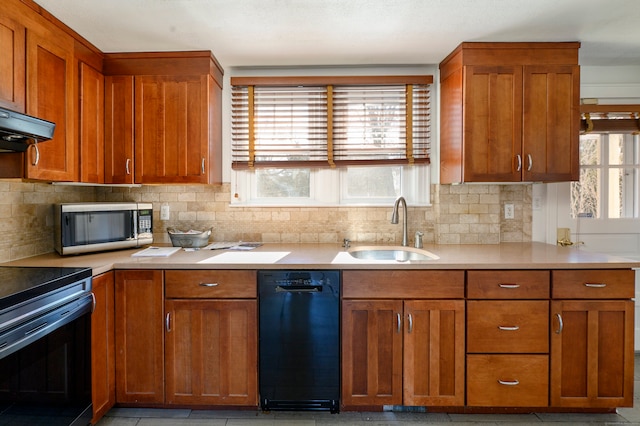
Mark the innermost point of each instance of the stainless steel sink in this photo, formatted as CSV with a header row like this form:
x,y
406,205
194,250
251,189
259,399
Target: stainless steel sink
x,y
397,253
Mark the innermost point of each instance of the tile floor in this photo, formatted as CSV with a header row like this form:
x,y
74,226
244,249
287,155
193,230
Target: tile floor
x,y
181,417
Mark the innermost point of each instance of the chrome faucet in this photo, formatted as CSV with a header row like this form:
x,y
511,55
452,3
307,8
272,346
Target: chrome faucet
x,y
394,219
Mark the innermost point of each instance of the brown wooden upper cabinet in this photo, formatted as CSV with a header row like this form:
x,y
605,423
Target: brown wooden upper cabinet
x,y
51,96
510,113
163,118
13,66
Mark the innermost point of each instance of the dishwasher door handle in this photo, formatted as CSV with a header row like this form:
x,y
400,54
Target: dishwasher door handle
x,y
299,289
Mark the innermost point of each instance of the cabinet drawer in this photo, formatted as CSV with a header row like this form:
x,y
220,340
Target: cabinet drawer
x,y
208,284
507,380
508,284
593,284
508,327
385,284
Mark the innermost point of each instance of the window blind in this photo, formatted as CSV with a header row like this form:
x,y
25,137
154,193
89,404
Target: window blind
x,y
328,125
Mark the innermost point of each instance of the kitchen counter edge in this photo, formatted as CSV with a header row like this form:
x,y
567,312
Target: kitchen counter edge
x,y
532,255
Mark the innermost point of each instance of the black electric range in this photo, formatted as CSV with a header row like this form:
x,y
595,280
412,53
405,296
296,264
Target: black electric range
x,y
45,340
21,284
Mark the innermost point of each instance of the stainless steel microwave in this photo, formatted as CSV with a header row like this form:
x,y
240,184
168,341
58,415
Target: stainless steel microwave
x,y
91,227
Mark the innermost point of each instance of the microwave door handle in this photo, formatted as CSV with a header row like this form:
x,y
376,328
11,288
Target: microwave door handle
x,y
134,224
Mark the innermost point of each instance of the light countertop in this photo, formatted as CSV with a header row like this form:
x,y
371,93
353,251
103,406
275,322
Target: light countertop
x,y
333,256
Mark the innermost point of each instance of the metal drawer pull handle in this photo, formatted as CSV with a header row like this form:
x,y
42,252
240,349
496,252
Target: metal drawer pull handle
x,y
167,323
530,162
509,382
202,165
509,285
208,284
595,285
519,163
410,323
93,307
398,323
126,166
560,324
509,328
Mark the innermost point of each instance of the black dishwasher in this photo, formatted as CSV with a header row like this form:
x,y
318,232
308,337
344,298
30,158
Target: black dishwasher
x,y
299,340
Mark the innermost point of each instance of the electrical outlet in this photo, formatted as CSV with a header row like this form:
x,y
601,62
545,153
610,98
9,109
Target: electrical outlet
x,y
164,212
509,212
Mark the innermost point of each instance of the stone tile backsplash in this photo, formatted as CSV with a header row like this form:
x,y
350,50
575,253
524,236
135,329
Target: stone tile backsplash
x,y
459,214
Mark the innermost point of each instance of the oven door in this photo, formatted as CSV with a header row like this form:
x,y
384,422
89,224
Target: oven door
x,y
46,378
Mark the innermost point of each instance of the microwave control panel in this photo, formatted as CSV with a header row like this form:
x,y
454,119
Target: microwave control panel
x,y
144,221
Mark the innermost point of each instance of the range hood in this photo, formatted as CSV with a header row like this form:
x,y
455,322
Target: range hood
x,y
17,130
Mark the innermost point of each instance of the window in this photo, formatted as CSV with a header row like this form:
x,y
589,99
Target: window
x,y
330,140
609,183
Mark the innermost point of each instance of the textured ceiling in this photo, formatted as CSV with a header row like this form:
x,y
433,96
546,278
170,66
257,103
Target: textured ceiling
x,y
351,32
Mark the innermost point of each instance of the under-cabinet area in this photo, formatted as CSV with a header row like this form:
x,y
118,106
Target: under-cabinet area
x,y
449,340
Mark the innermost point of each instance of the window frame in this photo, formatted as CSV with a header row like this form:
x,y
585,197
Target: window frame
x,y
614,224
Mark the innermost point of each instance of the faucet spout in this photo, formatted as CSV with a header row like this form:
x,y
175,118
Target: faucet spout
x,y
394,218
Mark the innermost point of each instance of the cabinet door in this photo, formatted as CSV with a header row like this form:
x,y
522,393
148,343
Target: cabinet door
x,y
371,352
492,124
118,133
103,375
551,123
211,352
592,356
91,124
139,337
13,65
434,353
50,96
171,129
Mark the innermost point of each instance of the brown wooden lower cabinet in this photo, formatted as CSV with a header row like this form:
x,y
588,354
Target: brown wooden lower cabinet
x,y
103,375
592,354
139,337
211,352
371,352
434,353
396,352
